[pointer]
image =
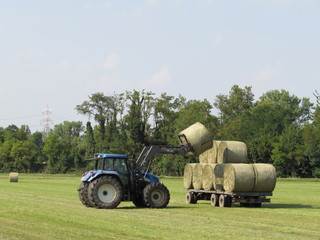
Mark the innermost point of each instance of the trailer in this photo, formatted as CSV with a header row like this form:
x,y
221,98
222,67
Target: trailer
x,y
225,199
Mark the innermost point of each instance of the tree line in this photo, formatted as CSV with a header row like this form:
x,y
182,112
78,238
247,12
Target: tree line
x,y
278,128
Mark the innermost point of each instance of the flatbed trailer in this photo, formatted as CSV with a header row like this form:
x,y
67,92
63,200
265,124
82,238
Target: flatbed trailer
x,y
225,199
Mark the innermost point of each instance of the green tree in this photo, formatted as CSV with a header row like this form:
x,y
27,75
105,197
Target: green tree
x,y
287,153
53,150
24,155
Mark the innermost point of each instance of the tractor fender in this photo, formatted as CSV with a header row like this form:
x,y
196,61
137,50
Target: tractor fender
x,y
92,175
148,177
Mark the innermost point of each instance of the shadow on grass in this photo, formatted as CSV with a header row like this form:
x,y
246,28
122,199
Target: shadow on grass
x,y
277,206
168,207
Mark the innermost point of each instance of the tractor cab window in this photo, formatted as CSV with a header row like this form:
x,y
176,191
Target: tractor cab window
x,y
112,164
120,165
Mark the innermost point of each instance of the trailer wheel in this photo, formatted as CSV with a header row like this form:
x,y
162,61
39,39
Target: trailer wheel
x,y
83,194
191,198
156,195
105,192
214,200
224,201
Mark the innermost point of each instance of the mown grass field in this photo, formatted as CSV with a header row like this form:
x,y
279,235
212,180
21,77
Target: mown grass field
x,y
47,207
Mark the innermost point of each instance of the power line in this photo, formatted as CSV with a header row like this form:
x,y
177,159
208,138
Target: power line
x,y
22,117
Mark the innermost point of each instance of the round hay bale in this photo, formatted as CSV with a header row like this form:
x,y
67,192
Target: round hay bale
x,y
188,175
218,176
208,177
197,176
239,178
199,137
203,157
13,177
213,152
266,177
232,152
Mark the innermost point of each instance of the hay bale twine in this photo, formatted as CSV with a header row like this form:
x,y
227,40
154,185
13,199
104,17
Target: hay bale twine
x,y
188,175
197,176
218,176
232,152
266,177
239,178
13,177
199,137
203,157
208,177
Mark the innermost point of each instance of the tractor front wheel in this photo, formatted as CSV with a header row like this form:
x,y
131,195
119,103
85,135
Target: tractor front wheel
x,y
105,192
156,195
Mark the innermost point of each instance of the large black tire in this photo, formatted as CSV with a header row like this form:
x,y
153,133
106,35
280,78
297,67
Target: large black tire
x,y
139,201
105,192
156,195
191,198
83,194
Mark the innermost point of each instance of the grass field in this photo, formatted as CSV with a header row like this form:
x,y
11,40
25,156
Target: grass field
x,y
47,207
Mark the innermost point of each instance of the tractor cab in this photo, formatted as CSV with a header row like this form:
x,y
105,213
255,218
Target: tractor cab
x,y
111,162
108,164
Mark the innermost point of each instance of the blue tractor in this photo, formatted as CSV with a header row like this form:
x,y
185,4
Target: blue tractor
x,y
117,178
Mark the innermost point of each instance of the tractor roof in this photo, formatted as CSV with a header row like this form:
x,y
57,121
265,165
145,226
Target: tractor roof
x,y
104,155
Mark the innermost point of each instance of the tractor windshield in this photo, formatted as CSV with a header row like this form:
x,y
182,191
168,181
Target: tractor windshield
x,y
111,164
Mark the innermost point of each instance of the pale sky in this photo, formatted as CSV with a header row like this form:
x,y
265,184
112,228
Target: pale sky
x,y
60,52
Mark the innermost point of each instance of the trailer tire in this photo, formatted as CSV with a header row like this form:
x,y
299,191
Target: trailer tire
x,y
191,198
214,200
224,201
83,194
105,192
156,195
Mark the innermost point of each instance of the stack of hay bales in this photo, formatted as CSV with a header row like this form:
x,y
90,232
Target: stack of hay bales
x,y
224,167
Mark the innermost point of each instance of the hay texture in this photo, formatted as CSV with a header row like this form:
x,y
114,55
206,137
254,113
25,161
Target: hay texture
x,y
13,177
208,176
218,180
239,178
210,156
199,137
203,157
188,175
232,152
197,176
265,177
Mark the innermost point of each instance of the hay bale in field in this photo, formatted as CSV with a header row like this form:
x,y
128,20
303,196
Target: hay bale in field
x,y
218,176
197,176
239,178
13,177
208,176
232,152
199,137
265,177
188,175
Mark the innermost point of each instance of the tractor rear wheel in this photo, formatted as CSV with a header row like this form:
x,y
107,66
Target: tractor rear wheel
x,y
156,195
105,192
83,194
